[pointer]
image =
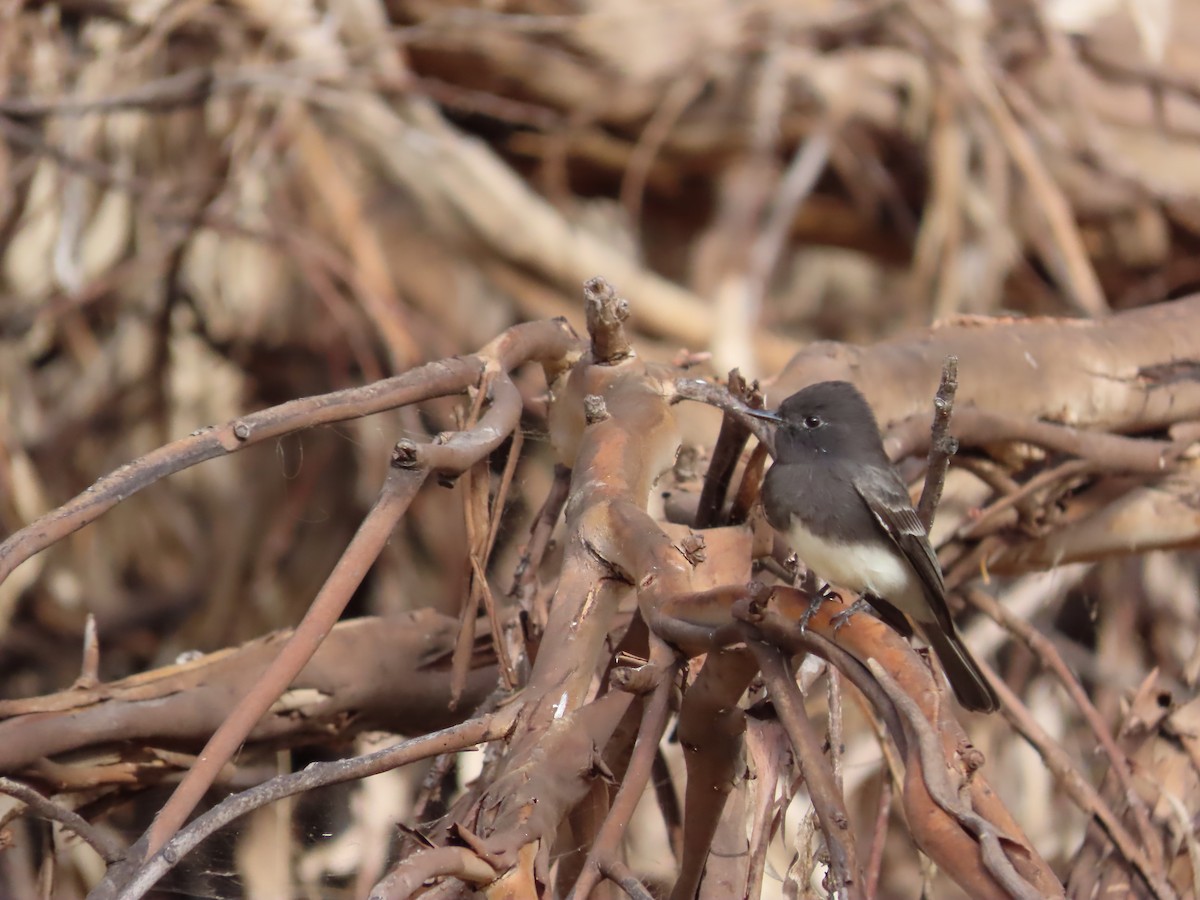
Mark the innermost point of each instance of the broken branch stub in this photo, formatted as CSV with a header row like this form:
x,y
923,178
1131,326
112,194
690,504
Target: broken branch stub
x,y
606,315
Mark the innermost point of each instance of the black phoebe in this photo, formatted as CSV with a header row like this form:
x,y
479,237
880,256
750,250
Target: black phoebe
x,y
834,494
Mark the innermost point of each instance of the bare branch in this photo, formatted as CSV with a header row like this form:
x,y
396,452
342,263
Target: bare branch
x,y
942,446
540,340
109,848
459,737
827,799
924,744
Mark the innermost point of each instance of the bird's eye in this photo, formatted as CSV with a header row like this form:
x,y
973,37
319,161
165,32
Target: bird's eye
x,y
811,421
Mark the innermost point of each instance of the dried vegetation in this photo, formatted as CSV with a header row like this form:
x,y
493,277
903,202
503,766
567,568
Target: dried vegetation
x,y
344,231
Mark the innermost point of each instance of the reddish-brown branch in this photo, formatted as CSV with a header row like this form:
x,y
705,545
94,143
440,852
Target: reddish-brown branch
x,y
879,836
711,726
370,673
826,798
731,440
747,493
939,836
400,488
926,774
548,340
525,576
459,862
606,315
778,628
547,773
637,773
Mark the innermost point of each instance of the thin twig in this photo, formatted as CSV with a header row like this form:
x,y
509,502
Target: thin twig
x,y
637,774
89,671
109,848
942,445
459,737
831,808
1048,655
525,574
399,489
1076,786
536,340
879,834
475,482
620,874
984,523
715,395
725,453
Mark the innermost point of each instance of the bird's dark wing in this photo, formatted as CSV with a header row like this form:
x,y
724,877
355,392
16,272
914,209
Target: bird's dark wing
x,y
886,497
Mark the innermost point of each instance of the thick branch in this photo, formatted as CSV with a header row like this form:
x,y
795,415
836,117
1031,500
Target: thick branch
x,y
370,673
1132,372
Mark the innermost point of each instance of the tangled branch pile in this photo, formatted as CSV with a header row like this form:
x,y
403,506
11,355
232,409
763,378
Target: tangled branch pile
x,y
211,209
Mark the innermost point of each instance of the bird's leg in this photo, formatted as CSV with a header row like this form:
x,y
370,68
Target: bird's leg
x,y
839,621
825,593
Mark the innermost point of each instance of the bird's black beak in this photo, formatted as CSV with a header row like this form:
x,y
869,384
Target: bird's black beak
x,y
764,414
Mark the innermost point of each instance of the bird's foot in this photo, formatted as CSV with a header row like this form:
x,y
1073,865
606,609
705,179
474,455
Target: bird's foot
x,y
839,621
825,593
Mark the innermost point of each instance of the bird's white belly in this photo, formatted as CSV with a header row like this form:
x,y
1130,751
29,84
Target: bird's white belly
x,y
866,568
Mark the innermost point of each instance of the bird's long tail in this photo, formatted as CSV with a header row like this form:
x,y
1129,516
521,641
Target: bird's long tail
x,y
969,684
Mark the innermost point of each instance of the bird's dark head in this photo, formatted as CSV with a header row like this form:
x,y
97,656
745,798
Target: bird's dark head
x,y
830,417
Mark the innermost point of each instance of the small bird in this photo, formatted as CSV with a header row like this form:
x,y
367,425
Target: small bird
x,y
837,498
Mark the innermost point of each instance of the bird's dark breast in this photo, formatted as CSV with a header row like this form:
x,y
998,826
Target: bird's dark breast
x,y
831,507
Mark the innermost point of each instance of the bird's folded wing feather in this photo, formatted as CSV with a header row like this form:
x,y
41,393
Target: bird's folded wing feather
x,y
886,497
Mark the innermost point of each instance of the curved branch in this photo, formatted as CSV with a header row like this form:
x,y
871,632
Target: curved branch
x,y
399,489
826,798
935,780
109,848
488,728
548,340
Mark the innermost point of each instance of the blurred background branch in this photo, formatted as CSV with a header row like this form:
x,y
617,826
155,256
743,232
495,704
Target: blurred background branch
x,y
208,211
